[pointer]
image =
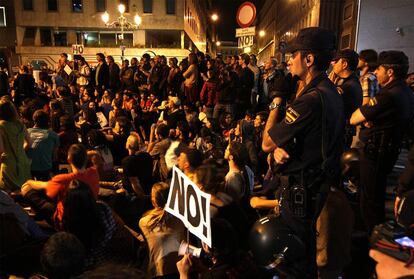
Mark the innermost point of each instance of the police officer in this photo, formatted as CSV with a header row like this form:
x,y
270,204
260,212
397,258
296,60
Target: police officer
x,y
307,142
386,115
343,73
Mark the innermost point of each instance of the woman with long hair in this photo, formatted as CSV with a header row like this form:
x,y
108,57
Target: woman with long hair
x,y
14,139
94,224
163,233
99,154
191,80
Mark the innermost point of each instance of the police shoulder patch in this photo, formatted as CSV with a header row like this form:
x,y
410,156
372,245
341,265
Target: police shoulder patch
x,y
291,115
373,101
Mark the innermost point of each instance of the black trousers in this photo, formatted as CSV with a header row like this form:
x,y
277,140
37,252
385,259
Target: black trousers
x,y
374,170
43,206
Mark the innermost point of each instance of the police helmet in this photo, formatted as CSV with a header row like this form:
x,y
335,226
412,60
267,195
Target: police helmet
x,y
272,241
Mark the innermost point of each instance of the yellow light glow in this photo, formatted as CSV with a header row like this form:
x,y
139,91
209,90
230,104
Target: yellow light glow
x,y
105,17
121,8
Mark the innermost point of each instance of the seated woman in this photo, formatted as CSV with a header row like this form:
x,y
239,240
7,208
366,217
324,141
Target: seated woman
x,y
96,226
163,233
100,155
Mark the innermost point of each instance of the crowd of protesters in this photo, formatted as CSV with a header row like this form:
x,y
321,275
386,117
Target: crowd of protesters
x,y
91,149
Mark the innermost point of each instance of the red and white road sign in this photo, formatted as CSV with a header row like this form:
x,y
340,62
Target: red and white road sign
x,y
246,14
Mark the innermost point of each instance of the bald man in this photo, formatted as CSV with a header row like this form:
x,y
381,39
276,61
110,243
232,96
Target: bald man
x,y
137,167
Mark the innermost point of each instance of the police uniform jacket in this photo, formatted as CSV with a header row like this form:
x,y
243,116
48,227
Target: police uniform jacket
x,y
300,132
389,111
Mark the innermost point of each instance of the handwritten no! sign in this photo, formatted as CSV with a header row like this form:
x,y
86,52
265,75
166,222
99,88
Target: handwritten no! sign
x,y
191,205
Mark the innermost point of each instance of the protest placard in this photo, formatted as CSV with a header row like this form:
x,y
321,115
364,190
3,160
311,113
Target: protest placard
x,y
191,205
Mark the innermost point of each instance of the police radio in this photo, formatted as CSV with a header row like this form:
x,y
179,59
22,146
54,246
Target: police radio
x,y
298,201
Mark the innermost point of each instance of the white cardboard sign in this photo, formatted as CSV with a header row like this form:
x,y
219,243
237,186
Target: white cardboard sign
x,y
191,205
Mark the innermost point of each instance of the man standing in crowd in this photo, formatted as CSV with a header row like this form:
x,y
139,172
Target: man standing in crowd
x,y
307,143
344,76
24,86
101,73
388,114
246,81
256,71
4,81
114,71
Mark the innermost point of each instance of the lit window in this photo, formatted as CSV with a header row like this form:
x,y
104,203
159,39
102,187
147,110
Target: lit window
x,y
3,17
77,6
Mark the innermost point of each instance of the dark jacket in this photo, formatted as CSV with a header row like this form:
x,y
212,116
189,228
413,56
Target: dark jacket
x,y
114,79
102,80
4,83
24,86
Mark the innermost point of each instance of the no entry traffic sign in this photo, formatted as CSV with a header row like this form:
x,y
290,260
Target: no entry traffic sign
x,y
246,14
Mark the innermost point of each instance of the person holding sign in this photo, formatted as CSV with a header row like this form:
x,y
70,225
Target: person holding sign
x,y
226,260
209,178
163,233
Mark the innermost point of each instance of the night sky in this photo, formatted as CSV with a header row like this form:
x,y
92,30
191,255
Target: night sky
x,y
226,10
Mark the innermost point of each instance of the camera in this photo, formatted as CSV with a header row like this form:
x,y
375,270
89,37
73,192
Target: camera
x,y
393,240
186,248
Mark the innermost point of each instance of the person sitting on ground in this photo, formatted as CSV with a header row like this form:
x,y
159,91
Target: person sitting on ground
x,y
118,137
67,137
96,226
62,257
163,233
189,160
41,194
45,143
100,155
226,259
137,180
157,148
239,180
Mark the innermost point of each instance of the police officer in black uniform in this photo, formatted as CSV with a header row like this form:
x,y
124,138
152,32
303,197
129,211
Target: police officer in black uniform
x,y
307,142
386,116
344,66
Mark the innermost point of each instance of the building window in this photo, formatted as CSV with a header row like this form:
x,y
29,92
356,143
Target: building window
x,y
346,41
28,5
3,17
126,4
29,36
45,36
52,5
77,6
100,6
348,10
170,7
147,6
60,38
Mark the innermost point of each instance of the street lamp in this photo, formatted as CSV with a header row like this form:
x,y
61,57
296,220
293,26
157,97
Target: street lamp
x,y
123,23
214,17
262,33
218,43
